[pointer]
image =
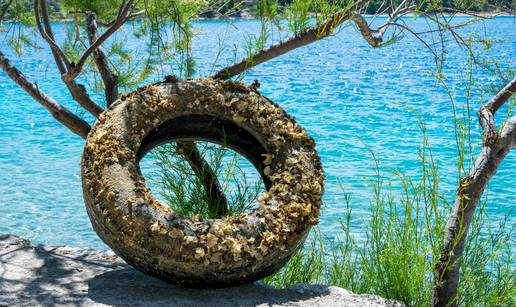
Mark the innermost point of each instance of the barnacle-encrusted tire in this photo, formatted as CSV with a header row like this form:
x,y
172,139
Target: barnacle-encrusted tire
x,y
188,251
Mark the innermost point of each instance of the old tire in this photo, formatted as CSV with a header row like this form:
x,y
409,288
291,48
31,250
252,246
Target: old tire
x,y
188,251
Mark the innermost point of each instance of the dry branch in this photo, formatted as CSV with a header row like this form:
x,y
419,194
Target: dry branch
x,y
60,113
109,78
496,145
78,91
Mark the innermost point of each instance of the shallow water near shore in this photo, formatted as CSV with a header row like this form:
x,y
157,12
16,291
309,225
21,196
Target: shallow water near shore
x,y
349,97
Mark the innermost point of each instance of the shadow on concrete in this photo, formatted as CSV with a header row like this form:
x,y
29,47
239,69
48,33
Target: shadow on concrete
x,y
66,276
129,286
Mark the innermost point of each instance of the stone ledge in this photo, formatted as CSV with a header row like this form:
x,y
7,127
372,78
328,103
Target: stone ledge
x,y
43,276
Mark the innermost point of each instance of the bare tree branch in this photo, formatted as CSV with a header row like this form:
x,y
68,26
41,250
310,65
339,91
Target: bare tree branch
x,y
487,111
501,98
123,14
495,147
307,37
70,71
60,113
369,34
109,78
80,94
59,56
78,91
374,37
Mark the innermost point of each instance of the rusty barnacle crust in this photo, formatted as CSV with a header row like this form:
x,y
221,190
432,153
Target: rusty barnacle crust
x,y
189,251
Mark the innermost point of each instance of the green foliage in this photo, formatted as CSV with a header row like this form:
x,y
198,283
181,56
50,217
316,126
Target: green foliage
x,y
403,235
297,14
21,41
184,192
268,9
105,9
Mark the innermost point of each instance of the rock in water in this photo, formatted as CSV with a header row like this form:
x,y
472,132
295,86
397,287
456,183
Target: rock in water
x,y
50,276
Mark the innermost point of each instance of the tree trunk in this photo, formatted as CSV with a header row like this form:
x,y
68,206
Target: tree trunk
x,y
218,202
495,147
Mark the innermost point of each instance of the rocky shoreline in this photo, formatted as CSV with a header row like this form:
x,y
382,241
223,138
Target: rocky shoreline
x,y
61,276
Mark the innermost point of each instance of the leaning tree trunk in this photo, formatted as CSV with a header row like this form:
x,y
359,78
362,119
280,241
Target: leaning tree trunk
x,y
496,145
218,203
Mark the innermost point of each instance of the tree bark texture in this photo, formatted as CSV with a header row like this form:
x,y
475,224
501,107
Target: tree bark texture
x,y
60,113
496,145
109,78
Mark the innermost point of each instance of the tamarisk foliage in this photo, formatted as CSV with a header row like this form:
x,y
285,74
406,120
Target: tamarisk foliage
x,y
93,51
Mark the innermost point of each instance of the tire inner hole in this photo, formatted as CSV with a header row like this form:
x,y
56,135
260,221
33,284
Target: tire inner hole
x,y
235,157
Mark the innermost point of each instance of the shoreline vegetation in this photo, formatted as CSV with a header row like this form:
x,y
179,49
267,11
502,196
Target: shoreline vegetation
x,y
58,17
249,10
402,235
484,15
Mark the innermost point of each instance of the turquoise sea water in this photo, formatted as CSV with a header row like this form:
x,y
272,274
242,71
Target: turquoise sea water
x,y
347,95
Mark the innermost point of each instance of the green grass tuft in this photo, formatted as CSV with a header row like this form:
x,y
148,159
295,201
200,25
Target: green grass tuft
x,y
396,253
183,191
